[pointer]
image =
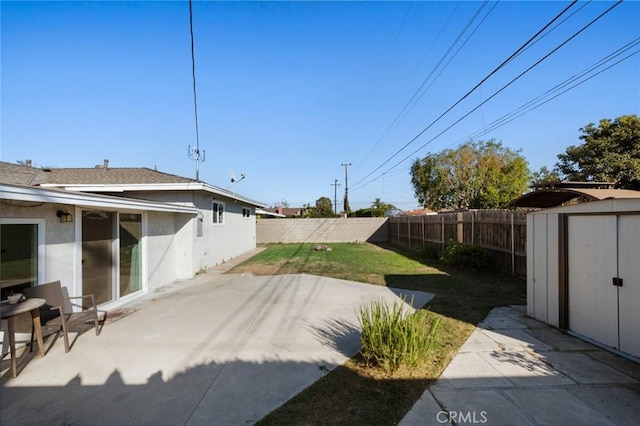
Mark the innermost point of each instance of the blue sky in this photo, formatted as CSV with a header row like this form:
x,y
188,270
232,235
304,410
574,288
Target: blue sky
x,y
288,91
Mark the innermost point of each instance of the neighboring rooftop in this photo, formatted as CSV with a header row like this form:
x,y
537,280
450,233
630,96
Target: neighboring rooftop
x,y
286,211
557,193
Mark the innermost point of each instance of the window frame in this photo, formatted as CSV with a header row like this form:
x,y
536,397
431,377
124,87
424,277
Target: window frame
x,y
41,249
217,213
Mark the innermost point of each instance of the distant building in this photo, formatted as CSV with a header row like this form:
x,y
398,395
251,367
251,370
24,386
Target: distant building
x,y
290,212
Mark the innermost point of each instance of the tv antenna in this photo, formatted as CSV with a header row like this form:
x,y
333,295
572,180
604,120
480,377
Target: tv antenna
x,y
194,153
233,177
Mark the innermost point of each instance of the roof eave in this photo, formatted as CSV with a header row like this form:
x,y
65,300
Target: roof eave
x,y
58,196
191,186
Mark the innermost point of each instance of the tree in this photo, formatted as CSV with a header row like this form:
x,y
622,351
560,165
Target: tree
x,y
379,208
323,208
610,153
544,175
475,175
281,203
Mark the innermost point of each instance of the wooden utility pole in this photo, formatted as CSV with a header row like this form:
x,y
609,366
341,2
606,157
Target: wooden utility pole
x,y
335,185
346,189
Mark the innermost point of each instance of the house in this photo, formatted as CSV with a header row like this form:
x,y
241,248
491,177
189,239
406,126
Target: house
x,y
280,211
420,212
116,233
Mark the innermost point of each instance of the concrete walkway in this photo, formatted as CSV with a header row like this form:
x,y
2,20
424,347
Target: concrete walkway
x,y
517,371
214,350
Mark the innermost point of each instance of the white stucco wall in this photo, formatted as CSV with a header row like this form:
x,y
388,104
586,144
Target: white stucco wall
x,y
167,248
221,242
218,242
60,250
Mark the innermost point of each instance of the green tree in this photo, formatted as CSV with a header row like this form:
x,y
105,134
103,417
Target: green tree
x,y
323,208
610,153
281,203
544,175
475,175
378,208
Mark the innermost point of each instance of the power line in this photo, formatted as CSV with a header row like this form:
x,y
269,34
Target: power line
x,y
489,98
395,41
511,57
540,100
410,104
194,153
547,96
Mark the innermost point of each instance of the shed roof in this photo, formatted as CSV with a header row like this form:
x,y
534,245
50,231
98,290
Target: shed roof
x,y
553,197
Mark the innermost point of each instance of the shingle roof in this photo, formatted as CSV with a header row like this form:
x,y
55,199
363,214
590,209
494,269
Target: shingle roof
x,y
23,175
18,175
101,176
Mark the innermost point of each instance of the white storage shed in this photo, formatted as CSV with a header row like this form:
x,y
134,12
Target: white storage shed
x,y
583,271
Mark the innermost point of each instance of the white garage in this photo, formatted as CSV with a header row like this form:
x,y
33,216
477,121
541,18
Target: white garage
x,y
583,271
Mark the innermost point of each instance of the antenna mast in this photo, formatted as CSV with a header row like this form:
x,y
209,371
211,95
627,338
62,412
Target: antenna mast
x,y
194,153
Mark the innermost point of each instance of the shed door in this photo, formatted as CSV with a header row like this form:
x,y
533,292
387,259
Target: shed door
x,y
629,293
593,300
601,248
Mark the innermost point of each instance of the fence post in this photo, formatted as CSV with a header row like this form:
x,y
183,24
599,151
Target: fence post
x,y
513,244
473,227
409,230
423,230
460,228
442,233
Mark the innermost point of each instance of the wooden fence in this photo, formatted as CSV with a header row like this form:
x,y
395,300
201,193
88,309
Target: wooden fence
x,y
502,233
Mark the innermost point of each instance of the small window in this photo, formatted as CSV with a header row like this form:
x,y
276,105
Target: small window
x,y
246,212
218,212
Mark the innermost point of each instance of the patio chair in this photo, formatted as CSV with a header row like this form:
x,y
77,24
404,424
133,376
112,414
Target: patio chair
x,y
54,313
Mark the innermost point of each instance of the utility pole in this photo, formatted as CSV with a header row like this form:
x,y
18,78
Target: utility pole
x,y
346,189
335,185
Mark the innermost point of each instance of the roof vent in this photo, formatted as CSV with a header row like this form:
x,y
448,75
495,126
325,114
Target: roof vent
x,y
28,163
104,165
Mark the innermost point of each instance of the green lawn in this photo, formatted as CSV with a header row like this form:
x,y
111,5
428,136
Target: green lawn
x,y
358,394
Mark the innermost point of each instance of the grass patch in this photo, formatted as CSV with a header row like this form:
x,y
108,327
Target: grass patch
x,y
361,393
365,263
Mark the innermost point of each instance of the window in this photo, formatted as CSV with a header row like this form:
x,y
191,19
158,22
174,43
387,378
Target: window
x,y
22,259
246,212
218,212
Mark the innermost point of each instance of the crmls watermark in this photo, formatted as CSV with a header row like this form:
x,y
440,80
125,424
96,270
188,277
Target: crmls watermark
x,y
462,417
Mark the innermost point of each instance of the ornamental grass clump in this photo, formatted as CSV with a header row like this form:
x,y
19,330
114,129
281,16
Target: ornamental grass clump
x,y
392,337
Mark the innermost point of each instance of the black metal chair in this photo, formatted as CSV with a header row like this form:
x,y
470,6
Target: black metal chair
x,y
54,314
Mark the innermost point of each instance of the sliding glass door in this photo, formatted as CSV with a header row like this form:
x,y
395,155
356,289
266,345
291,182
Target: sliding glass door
x,y
111,254
130,230
97,255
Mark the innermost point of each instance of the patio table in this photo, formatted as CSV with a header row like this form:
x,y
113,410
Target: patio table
x,y
9,312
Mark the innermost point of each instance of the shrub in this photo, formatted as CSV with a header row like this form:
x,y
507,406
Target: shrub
x,y
431,251
392,337
465,257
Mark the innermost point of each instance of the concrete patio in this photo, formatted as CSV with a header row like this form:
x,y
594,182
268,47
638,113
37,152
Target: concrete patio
x,y
217,349
229,349
514,370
